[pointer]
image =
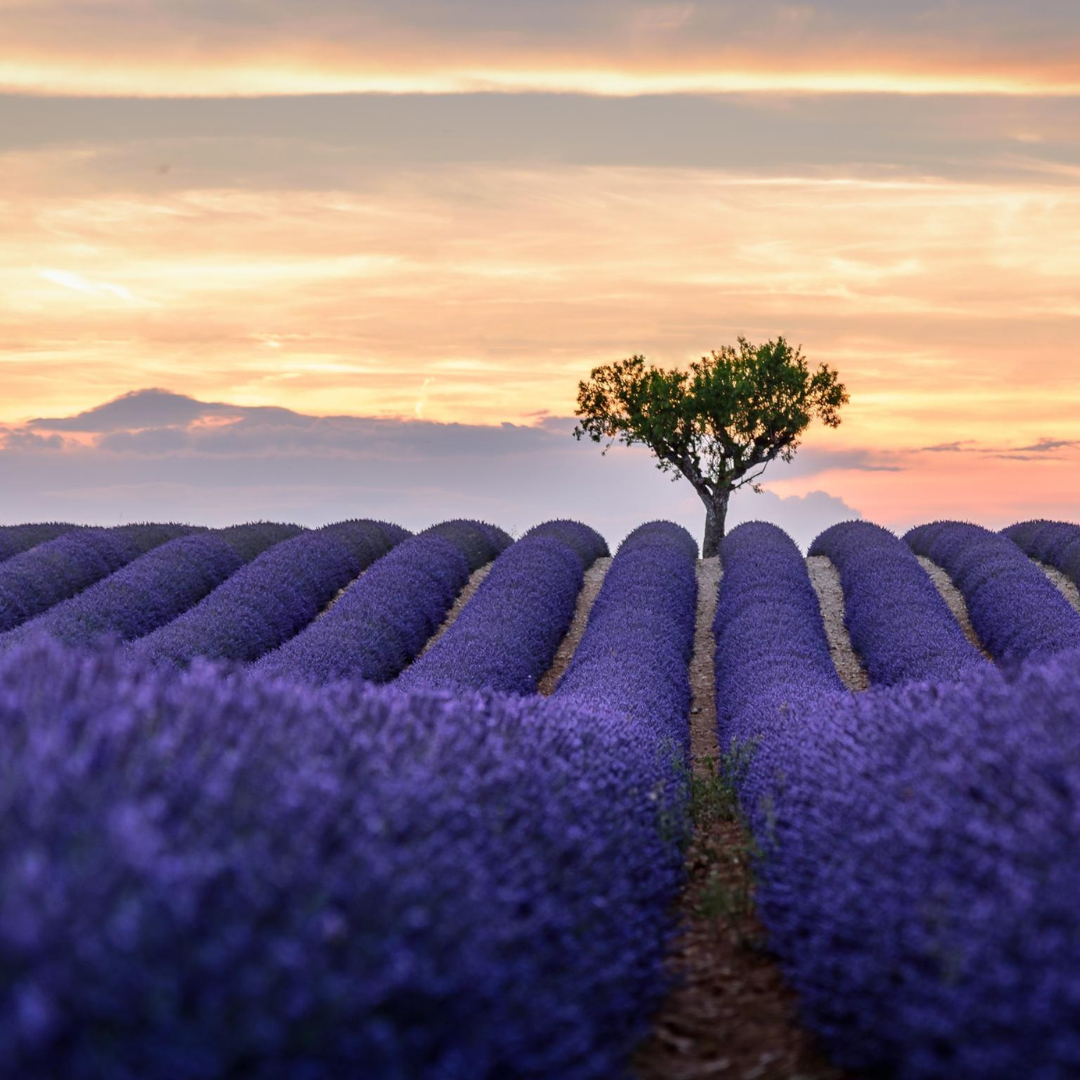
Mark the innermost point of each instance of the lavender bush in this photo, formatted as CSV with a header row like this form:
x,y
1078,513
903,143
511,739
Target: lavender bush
x,y
272,598
385,617
506,636
586,543
771,648
1056,543
1014,609
35,580
478,541
899,624
150,591
920,870
252,539
633,658
15,539
917,843
206,876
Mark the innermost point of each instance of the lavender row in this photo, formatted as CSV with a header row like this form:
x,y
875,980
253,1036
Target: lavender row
x,y
35,580
633,658
917,844
506,636
278,881
1056,543
153,589
271,598
919,874
383,619
478,541
771,647
899,624
1016,612
15,539
585,542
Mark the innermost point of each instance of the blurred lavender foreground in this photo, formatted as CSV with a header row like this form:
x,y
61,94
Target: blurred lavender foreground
x,y
918,868
208,873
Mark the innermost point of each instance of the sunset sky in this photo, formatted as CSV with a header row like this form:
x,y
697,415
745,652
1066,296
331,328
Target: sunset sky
x,y
425,214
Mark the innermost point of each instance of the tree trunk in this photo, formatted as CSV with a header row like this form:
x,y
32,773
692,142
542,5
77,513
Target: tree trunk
x,y
715,515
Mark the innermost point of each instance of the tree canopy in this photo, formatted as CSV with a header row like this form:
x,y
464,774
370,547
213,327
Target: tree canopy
x,y
718,424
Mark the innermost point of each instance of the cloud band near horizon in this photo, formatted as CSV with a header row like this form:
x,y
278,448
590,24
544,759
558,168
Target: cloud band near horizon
x,y
600,47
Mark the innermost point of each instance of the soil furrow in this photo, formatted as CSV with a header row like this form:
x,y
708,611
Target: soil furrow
x,y
590,589
1062,583
954,598
463,598
830,593
729,1014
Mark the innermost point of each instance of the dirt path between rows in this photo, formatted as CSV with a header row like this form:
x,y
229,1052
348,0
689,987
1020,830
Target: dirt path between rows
x,y
590,589
463,598
955,600
730,1014
1063,584
830,593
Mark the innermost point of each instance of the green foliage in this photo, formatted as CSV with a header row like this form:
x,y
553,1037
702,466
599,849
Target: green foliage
x,y
727,895
714,791
718,424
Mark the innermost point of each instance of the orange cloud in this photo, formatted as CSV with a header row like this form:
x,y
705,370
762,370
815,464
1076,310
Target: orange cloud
x,y
950,307
176,49
285,75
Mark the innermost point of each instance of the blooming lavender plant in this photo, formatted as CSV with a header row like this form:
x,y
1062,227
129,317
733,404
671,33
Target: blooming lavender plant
x,y
150,591
506,636
586,543
478,541
771,647
272,598
35,580
1014,609
917,843
899,624
15,539
920,870
253,538
383,619
1056,543
632,660
206,876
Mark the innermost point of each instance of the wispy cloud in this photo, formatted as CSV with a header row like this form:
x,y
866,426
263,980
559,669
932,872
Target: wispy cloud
x,y
955,447
176,48
1045,448
99,289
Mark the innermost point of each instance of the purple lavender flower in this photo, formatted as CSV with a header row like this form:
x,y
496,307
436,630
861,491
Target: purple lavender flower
x,y
506,636
384,618
15,539
899,625
272,598
207,875
1014,609
152,590
32,582
1056,543
632,660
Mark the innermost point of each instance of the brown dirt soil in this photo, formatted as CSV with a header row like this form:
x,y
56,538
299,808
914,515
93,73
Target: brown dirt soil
x,y
954,598
590,589
826,581
463,598
1064,585
730,1014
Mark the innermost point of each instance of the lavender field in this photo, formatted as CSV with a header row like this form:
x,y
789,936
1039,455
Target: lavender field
x,y
352,802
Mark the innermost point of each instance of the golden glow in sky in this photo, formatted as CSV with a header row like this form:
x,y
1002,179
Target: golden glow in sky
x,y
896,189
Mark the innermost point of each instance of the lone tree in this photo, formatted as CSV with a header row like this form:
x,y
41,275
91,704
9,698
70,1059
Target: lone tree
x,y
718,424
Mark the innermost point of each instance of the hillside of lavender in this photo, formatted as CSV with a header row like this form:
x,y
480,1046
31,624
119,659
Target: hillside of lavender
x,y
288,802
